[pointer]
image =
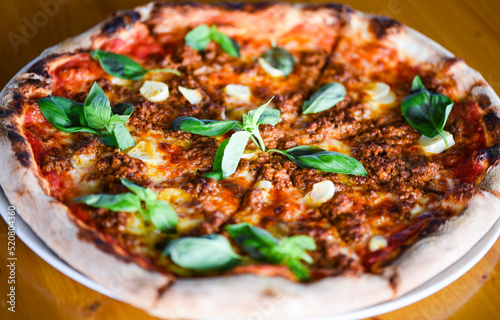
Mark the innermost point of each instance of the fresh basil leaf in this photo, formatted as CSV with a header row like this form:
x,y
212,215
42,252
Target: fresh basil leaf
x,y
263,246
121,113
62,114
120,138
119,65
326,97
299,269
279,59
122,66
199,37
417,85
270,116
294,249
126,202
202,127
123,137
228,155
123,109
212,252
296,245
426,111
77,115
145,194
235,147
216,173
162,215
255,115
227,44
255,241
159,212
56,110
316,158
97,109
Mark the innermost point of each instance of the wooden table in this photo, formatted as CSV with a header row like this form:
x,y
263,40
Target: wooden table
x,y
470,29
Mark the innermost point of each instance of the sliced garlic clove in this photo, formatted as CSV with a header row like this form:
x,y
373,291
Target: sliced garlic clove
x,y
121,82
154,91
436,144
377,90
320,193
273,72
192,95
238,91
380,93
387,99
376,243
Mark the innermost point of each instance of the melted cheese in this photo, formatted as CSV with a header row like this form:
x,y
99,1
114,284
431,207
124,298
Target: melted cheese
x,y
159,162
83,165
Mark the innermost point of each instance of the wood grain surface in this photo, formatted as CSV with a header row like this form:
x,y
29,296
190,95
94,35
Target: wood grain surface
x,y
470,29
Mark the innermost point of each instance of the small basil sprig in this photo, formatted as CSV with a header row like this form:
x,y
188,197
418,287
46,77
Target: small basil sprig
x,y
426,111
210,252
279,59
202,127
263,246
229,153
122,66
142,200
202,35
214,252
94,116
64,114
316,158
326,97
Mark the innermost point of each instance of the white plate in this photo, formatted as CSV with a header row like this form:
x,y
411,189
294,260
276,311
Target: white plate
x,y
435,284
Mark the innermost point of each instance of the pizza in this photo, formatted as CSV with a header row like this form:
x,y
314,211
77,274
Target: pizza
x,y
202,161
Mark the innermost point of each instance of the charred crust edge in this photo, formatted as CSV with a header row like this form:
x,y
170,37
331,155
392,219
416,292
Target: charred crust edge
x,y
13,107
91,236
491,154
383,26
9,111
120,20
483,100
19,146
250,7
492,123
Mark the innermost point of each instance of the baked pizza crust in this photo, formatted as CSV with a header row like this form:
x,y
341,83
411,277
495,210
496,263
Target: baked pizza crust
x,y
239,295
